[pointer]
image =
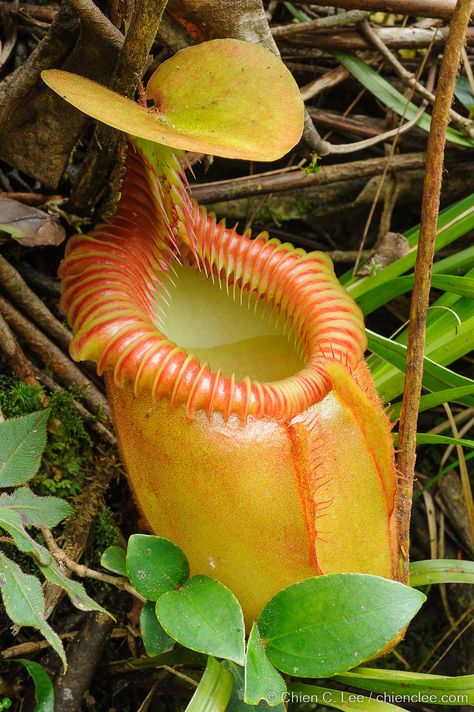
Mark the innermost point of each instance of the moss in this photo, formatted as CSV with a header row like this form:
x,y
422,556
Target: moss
x,y
18,398
69,447
106,532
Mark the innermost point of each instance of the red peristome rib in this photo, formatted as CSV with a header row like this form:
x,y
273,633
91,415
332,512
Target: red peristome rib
x,y
110,279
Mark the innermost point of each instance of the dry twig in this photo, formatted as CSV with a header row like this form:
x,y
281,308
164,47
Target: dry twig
x,y
84,571
329,79
277,182
15,356
341,20
463,124
18,290
52,356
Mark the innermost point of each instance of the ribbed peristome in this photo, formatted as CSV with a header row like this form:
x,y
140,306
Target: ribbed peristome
x,y
112,276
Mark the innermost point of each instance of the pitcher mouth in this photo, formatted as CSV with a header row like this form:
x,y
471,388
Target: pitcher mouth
x,y
119,282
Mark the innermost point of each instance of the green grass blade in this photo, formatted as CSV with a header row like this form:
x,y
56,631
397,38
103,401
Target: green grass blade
x,y
444,278
464,286
446,341
370,301
453,222
442,690
388,95
324,697
432,400
430,439
435,376
424,573
457,263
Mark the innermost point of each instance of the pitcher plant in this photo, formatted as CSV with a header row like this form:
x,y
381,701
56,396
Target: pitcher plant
x,y
248,421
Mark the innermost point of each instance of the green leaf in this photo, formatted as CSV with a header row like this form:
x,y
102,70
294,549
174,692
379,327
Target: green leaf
x,y
24,602
424,573
155,639
205,616
388,95
75,590
328,624
431,400
262,681
44,690
114,559
176,656
442,690
340,700
11,522
214,690
224,97
463,92
22,441
34,510
155,565
236,702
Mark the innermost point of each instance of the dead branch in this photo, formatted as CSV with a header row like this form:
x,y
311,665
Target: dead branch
x,y
33,199
84,571
22,649
99,24
329,79
393,37
50,355
50,53
14,353
17,289
38,280
423,8
385,136
42,13
296,179
463,124
343,19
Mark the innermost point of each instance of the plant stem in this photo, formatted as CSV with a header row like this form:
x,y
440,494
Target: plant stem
x,y
84,571
423,268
